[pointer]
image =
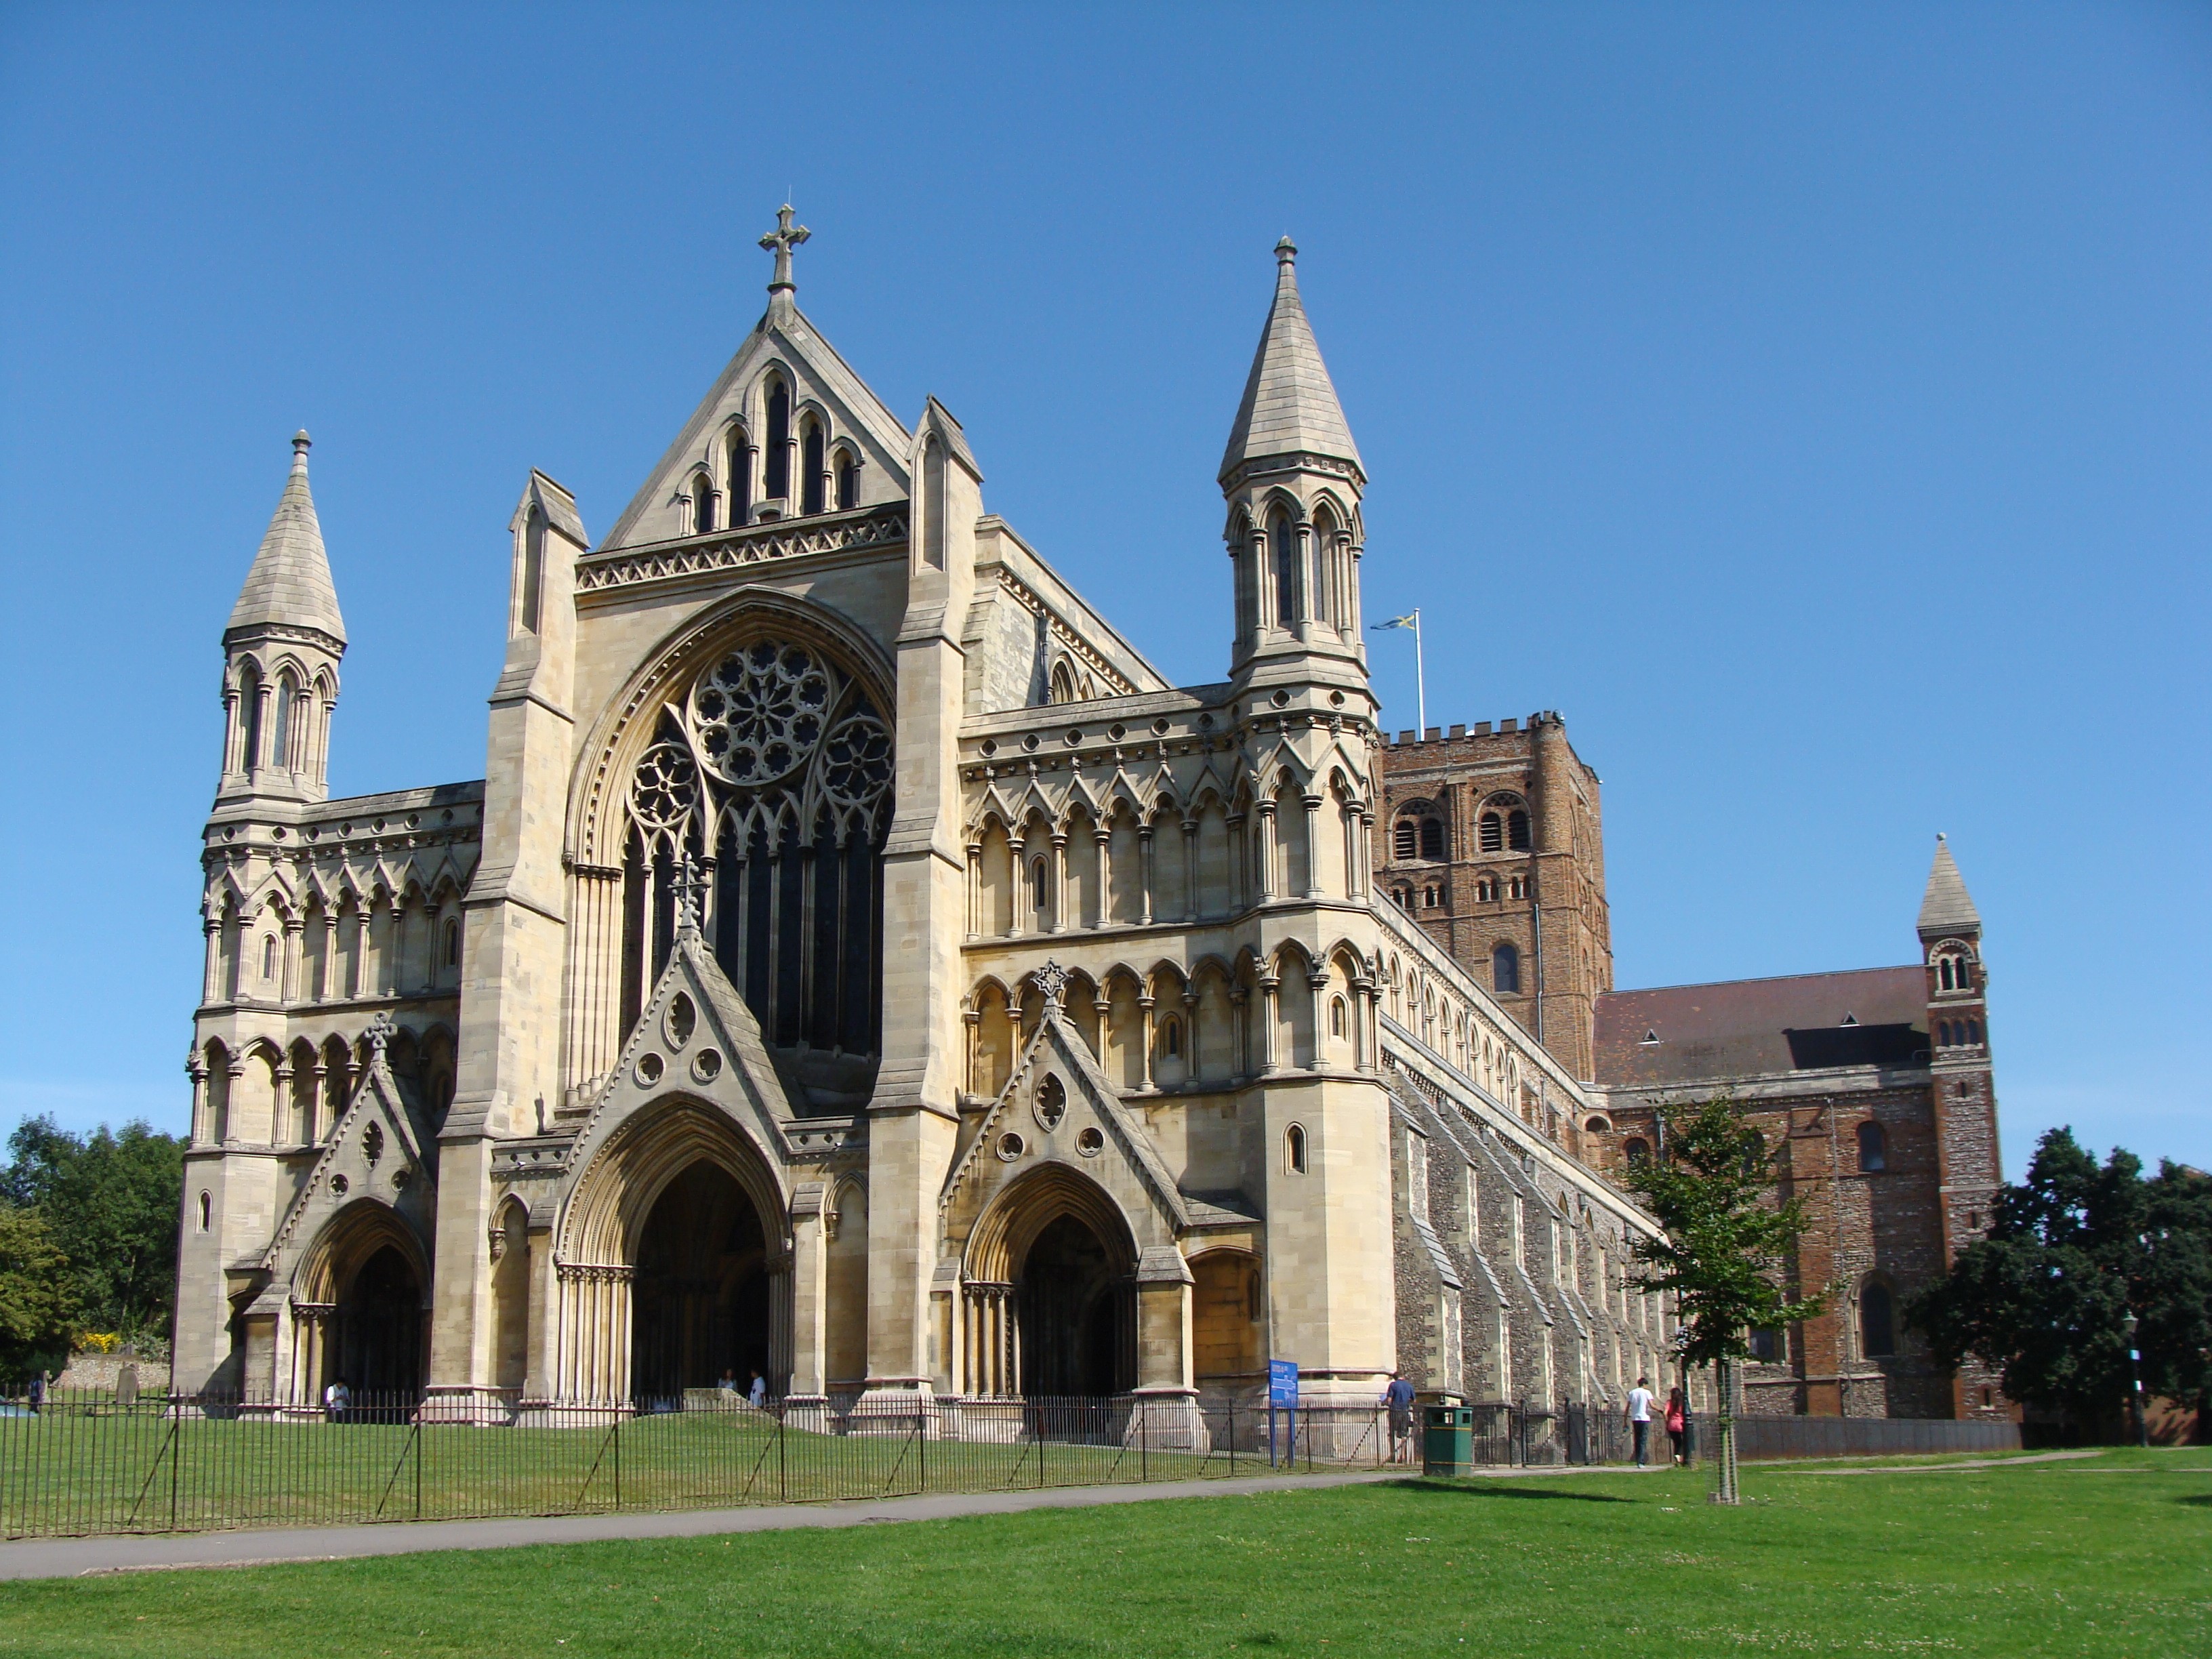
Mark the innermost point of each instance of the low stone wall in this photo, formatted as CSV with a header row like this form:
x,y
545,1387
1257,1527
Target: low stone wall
x,y
100,1372
1861,1436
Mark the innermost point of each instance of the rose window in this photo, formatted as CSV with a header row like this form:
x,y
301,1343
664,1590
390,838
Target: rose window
x,y
856,766
759,712
666,785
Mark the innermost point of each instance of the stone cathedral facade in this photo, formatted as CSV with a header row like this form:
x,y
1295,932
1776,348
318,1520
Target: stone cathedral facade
x,y
858,963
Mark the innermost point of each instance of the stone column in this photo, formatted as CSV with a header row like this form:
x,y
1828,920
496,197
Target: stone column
x,y
1145,865
1265,851
1313,804
1270,987
295,958
1145,1000
1023,894
210,979
975,918
1104,836
1318,980
1190,905
1059,882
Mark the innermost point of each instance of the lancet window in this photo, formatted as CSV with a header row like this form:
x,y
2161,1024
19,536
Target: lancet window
x,y
773,772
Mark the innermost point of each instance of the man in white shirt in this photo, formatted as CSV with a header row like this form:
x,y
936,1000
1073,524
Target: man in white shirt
x,y
1639,1418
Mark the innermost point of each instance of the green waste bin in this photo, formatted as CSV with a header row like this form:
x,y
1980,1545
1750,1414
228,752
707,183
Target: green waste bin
x,y
1448,1440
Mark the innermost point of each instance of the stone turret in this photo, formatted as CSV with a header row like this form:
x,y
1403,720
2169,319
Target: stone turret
x,y
1293,478
281,656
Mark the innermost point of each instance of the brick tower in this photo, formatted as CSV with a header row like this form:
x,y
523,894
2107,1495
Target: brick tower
x,y
1495,843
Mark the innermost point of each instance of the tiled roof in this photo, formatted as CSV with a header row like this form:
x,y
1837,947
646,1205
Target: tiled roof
x,y
1289,404
1686,1034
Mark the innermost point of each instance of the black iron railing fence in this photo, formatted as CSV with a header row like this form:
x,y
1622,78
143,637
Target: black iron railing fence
x,y
78,1462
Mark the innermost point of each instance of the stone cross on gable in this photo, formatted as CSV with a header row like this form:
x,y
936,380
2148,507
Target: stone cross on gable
x,y
784,237
689,884
1051,981
381,1031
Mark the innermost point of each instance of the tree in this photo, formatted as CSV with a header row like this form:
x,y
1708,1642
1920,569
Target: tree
x,y
2069,1254
37,1296
109,1201
1724,1251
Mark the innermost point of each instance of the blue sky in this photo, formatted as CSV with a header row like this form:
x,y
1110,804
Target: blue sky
x,y
1810,402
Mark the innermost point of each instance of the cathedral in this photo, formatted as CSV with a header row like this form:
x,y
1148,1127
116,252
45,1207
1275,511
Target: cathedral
x,y
860,965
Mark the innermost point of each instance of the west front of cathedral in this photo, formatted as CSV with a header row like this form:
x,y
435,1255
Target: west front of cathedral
x,y
858,965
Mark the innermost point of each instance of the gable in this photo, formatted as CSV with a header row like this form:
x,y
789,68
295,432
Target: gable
x,y
819,378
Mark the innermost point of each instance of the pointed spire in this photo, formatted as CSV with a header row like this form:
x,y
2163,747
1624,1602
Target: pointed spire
x,y
1946,909
289,585
1289,404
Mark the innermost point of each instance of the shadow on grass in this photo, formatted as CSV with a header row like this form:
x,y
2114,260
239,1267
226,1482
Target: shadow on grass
x,y
1481,1488
2196,1500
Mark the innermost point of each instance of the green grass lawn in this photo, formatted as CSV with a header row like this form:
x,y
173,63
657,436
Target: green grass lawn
x,y
2109,1555
66,1473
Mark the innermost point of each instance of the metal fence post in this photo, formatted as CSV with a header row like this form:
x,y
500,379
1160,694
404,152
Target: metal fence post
x,y
617,1436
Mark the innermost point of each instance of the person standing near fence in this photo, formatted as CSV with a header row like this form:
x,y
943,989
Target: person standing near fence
x,y
1677,1420
337,1400
1639,1419
758,1393
38,1392
1398,1397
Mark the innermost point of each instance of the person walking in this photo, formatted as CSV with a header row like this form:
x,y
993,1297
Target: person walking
x,y
1677,1420
1398,1397
1639,1419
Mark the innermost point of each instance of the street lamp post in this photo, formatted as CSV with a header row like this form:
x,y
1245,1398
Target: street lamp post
x,y
2135,1377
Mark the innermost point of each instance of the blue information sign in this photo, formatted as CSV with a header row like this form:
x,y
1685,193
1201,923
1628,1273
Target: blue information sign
x,y
1282,1381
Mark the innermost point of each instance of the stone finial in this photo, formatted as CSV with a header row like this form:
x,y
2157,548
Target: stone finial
x,y
1051,981
379,1033
301,443
689,882
1287,253
784,237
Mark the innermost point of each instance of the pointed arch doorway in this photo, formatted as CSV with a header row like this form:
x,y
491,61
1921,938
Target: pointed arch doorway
x,y
1076,1307
378,1350
700,1296
1050,1297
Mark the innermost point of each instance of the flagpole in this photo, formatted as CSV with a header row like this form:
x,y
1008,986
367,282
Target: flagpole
x,y
1420,678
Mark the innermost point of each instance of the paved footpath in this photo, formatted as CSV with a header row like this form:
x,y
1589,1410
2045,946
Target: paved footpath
x,y
72,1557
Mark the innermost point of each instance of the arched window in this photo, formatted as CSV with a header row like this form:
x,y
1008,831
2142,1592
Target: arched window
x,y
207,1211
1432,838
1506,970
777,481
249,702
1598,1126
814,464
1490,831
452,944
1485,890
1404,839
1040,892
1336,1017
533,565
1877,1320
1874,1146
1063,683
849,481
1518,887
1294,1149
1636,1151
279,744
1428,898
1943,1034
1171,1038
1767,1345
269,956
1405,898
1517,830
740,475
1283,547
702,505
1974,1032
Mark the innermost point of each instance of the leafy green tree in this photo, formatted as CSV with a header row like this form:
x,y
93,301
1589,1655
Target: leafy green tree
x,y
37,1296
109,1201
1724,1254
2070,1253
